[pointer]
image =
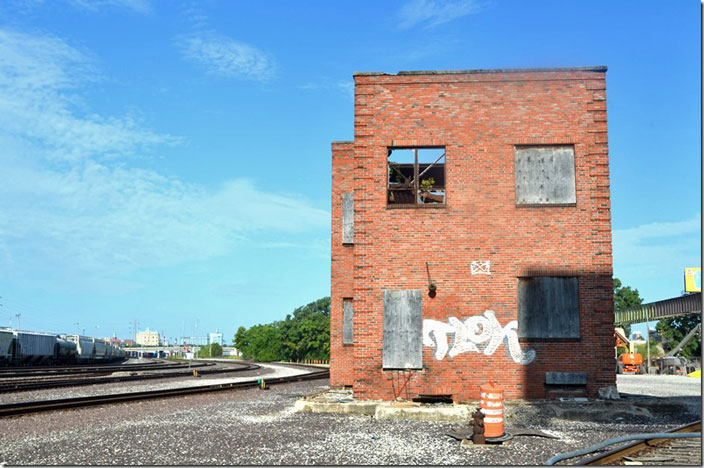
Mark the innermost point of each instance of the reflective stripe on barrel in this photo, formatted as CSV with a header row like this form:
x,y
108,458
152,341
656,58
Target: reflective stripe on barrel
x,y
492,405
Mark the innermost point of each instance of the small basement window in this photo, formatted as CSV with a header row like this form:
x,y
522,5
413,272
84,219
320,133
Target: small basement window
x,y
416,176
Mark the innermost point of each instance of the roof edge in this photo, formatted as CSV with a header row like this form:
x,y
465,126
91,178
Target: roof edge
x,y
593,68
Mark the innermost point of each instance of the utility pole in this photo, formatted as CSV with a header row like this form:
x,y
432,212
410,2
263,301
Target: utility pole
x,y
18,320
75,324
134,324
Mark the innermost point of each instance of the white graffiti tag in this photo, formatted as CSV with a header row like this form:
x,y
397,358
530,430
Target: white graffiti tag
x,y
472,332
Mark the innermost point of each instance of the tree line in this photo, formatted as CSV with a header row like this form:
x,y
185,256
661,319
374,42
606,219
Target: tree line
x,y
303,335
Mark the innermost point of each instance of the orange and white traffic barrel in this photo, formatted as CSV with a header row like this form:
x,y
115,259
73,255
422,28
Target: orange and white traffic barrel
x,y
492,405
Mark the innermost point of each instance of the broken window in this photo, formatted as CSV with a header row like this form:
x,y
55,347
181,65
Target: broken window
x,y
416,176
403,330
347,321
548,307
545,175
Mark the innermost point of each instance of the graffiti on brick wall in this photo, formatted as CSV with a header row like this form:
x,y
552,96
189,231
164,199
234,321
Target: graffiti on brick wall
x,y
478,334
480,268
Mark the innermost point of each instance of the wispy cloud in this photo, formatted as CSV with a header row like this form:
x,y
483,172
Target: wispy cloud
x,y
72,202
328,84
657,252
223,56
35,73
138,6
432,13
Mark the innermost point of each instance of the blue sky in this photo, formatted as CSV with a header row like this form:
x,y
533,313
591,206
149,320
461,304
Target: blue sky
x,y
169,161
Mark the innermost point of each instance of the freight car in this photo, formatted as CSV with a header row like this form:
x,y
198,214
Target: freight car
x,y
7,339
32,348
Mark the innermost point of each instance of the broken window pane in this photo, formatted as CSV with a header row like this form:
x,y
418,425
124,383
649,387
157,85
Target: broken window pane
x,y
416,176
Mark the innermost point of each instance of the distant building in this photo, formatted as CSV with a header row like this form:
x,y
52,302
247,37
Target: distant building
x,y
148,338
215,338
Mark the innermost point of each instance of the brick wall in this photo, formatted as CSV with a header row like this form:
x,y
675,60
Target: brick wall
x,y
341,265
479,118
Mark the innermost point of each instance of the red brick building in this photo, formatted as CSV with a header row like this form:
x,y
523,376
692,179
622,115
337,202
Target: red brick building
x,y
471,235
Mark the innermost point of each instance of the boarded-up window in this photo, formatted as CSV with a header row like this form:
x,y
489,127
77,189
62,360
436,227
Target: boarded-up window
x,y
548,307
347,322
348,218
402,347
545,175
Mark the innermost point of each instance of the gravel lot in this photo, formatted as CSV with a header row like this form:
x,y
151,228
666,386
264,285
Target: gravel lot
x,y
257,427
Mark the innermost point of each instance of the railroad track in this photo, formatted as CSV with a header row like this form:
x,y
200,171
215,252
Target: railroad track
x,y
679,446
15,372
43,383
16,409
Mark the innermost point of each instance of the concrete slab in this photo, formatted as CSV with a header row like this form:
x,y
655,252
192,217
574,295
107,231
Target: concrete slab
x,y
341,401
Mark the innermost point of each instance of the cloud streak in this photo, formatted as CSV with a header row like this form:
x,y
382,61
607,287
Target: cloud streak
x,y
73,201
225,57
657,251
432,13
138,6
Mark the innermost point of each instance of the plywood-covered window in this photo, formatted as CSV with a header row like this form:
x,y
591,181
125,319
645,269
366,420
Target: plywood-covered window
x,y
548,307
347,321
348,218
416,176
545,175
402,345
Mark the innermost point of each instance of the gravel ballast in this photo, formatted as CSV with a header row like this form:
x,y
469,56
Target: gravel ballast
x,y
255,427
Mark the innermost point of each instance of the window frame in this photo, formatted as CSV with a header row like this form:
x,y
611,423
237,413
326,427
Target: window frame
x,y
416,177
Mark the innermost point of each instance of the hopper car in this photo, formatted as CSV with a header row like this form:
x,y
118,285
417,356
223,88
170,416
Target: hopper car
x,y
20,348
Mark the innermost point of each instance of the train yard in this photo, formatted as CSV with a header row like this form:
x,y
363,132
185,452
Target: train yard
x,y
228,419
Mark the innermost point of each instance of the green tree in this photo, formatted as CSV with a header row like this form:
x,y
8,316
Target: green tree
x,y
241,341
625,297
305,334
212,350
674,329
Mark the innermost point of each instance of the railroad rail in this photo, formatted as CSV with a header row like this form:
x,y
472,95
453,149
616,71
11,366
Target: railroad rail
x,y
11,372
661,448
16,409
37,383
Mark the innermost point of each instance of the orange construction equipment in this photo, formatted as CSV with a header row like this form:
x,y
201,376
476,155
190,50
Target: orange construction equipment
x,y
492,405
630,362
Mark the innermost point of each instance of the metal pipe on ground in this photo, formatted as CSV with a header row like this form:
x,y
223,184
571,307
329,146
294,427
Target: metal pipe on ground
x,y
606,443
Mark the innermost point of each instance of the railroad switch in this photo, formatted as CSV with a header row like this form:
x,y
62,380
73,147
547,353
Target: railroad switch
x,y
262,385
195,373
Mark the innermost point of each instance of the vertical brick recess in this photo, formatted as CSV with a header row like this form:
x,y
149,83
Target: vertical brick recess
x,y
479,117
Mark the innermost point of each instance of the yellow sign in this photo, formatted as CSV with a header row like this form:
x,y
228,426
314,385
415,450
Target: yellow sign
x,y
693,280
